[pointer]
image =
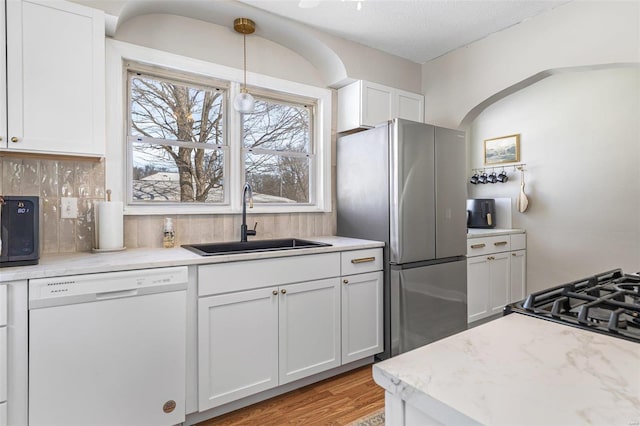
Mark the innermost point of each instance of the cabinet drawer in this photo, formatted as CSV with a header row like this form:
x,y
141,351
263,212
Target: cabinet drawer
x,y
246,275
361,261
486,245
518,241
3,305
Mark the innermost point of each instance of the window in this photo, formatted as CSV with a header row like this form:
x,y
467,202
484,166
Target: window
x,y
177,140
278,151
177,147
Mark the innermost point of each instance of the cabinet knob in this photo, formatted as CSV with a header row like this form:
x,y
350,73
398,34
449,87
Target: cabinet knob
x,y
283,291
490,258
514,254
345,281
275,292
14,139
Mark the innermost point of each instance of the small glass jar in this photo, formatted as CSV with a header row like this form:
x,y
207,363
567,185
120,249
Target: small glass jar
x,y
168,235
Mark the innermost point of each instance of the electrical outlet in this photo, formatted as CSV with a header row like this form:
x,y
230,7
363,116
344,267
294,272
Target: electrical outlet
x,y
68,208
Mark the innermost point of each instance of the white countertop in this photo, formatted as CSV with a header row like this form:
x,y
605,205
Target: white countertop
x,y
519,370
479,233
86,263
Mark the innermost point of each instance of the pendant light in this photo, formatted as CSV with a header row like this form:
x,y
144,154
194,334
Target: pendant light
x,y
244,102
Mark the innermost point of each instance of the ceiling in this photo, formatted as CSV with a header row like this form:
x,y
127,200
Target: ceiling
x,y
418,30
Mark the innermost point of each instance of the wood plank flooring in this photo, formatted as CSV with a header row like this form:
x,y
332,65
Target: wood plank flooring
x,y
336,401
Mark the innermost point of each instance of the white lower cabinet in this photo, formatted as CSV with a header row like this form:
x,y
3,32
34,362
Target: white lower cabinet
x,y
518,270
362,325
4,352
496,274
309,324
238,345
254,340
266,323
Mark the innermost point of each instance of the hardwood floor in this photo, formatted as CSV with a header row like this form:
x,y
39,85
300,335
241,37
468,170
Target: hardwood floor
x,y
336,401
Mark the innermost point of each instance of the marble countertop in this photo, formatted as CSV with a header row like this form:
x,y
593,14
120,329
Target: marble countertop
x,y
88,263
479,233
520,370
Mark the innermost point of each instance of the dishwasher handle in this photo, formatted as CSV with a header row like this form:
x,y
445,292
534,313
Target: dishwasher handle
x,y
116,294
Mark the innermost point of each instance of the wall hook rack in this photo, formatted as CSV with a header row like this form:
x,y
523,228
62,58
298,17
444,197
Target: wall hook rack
x,y
519,166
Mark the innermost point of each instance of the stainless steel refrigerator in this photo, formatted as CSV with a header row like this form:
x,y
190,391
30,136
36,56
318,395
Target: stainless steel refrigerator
x,y
404,183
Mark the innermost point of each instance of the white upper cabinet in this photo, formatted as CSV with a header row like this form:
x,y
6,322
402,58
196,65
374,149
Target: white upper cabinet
x,y
3,77
55,93
363,104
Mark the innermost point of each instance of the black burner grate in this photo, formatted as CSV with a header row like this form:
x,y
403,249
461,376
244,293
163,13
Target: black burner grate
x,y
607,303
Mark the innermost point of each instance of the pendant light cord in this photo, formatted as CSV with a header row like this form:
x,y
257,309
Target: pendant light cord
x,y
244,48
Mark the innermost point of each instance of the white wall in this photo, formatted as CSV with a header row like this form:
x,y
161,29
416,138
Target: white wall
x,y
217,44
577,34
580,138
221,45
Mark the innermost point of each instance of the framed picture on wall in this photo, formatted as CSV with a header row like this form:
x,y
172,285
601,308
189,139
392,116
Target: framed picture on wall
x,y
505,149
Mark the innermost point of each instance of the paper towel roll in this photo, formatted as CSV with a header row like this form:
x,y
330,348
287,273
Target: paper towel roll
x,y
109,225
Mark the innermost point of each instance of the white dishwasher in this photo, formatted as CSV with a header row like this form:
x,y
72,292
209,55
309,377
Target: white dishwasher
x,y
108,349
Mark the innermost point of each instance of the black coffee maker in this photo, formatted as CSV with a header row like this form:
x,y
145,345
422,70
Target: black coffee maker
x,y
481,213
19,230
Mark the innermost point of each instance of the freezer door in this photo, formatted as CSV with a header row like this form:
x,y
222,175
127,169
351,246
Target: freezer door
x,y
412,191
428,303
451,193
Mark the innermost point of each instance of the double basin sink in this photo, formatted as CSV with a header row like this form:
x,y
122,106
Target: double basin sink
x,y
214,249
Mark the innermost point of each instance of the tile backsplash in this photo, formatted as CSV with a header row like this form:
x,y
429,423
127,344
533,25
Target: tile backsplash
x,y
51,179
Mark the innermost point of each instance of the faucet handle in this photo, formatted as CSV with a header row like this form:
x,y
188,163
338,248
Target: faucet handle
x,y
252,231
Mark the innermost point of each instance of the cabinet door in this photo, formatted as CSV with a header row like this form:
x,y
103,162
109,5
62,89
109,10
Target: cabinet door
x,y
499,282
377,103
362,329
55,77
309,325
3,77
409,106
518,272
237,345
478,277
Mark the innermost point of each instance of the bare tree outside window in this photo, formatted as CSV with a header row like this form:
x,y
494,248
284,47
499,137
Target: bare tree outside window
x,y
178,143
177,139
278,155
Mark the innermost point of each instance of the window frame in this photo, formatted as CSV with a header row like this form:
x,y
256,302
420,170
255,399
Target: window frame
x,y
294,101
162,74
118,53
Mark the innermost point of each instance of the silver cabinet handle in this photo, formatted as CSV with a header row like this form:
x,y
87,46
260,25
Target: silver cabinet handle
x,y
475,246
500,243
283,291
363,260
274,292
345,281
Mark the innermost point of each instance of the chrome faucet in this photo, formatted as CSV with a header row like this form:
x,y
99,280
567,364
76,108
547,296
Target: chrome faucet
x,y
243,228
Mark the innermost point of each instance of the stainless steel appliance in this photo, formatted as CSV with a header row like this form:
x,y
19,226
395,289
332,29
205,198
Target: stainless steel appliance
x,y
19,231
108,349
404,183
481,213
607,303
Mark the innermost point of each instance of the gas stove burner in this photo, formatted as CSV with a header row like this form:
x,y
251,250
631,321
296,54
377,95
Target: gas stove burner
x,y
608,303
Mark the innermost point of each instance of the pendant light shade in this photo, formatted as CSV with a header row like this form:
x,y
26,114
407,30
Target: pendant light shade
x,y
244,102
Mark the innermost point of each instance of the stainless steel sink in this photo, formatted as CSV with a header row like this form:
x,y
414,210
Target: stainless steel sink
x,y
215,249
